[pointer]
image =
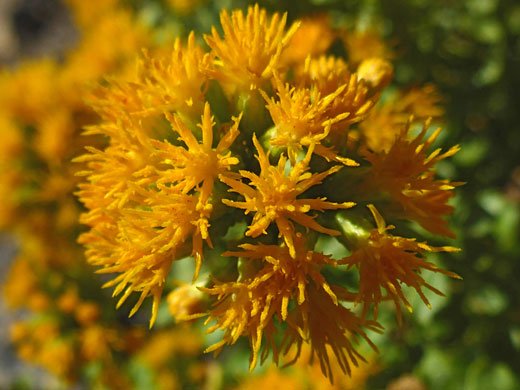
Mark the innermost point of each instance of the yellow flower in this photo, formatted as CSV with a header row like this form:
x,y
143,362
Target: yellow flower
x,y
362,45
141,244
306,374
184,301
52,140
18,331
376,72
86,15
251,49
198,165
327,325
57,356
273,378
87,313
301,117
108,44
421,102
312,39
146,198
274,198
22,282
177,81
324,73
95,342
13,145
406,174
385,121
309,369
354,96
68,301
386,261
164,345
171,80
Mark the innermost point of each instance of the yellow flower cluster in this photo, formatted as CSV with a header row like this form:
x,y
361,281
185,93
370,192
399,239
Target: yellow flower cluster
x,y
65,332
269,135
42,113
306,374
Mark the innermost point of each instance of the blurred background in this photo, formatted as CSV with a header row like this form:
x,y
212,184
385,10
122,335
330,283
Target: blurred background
x,y
470,49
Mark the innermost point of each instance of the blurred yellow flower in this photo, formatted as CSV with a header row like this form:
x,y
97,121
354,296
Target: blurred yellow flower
x,y
87,313
94,342
184,7
312,39
21,283
361,45
385,121
274,378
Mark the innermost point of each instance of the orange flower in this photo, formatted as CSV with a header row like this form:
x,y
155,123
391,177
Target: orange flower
x,y
406,173
327,325
288,287
274,197
385,121
387,261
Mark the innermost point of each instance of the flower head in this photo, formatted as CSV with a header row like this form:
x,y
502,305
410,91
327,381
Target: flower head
x,y
274,196
324,324
174,80
177,81
353,98
301,117
362,45
251,49
386,261
196,165
406,173
290,288
313,38
146,198
385,121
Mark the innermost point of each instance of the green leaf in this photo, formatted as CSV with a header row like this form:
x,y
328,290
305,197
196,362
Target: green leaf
x,y
484,375
487,300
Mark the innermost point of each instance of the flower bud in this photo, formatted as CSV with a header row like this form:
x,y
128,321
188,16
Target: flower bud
x,y
376,72
184,301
